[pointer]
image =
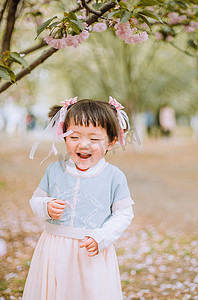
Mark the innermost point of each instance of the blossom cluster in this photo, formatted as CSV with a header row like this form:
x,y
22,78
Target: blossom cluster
x,y
191,27
99,27
175,18
130,35
67,41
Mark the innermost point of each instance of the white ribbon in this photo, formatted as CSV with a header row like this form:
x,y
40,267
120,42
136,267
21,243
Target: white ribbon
x,y
52,129
123,120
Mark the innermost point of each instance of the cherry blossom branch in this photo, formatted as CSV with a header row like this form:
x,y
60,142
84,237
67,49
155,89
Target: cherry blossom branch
x,y
89,20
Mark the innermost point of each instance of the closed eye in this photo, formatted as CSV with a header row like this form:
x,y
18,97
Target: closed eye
x,y
74,137
94,140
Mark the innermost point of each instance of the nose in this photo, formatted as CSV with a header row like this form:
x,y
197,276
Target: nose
x,y
84,143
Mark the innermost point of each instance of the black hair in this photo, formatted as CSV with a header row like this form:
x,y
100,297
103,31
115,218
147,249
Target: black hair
x,y
86,111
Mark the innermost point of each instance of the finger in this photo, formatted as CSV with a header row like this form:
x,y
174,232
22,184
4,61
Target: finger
x,y
87,242
61,202
93,253
83,242
57,210
56,205
55,217
90,245
92,249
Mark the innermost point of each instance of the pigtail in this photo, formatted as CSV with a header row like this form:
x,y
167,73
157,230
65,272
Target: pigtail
x,y
53,111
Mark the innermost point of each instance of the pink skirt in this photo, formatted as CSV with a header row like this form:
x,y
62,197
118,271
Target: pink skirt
x,y
61,270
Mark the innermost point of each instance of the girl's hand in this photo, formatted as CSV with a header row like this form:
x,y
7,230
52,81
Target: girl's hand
x,y
91,245
55,208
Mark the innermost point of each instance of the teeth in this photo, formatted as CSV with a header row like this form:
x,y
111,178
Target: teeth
x,y
83,155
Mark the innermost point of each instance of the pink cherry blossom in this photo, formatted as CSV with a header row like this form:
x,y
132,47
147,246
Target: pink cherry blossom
x,y
130,35
139,38
191,27
99,27
83,36
72,40
83,16
56,43
169,38
68,41
175,18
48,39
123,30
158,36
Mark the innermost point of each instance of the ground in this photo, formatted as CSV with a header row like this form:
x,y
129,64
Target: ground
x,y
157,255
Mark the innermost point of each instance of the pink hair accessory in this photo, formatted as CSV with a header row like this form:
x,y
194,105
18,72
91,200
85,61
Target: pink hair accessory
x,y
122,119
66,103
115,103
61,119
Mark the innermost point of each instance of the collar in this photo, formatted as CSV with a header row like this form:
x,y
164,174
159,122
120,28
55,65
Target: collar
x,y
71,169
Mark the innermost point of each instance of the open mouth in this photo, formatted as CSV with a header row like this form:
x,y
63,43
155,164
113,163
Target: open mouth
x,y
83,155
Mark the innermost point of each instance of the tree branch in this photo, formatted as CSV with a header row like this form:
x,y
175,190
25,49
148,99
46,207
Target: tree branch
x,y
89,20
32,66
10,24
107,6
181,50
31,49
89,9
3,9
79,7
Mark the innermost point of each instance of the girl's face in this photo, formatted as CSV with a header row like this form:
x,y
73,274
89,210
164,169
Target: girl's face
x,y
87,145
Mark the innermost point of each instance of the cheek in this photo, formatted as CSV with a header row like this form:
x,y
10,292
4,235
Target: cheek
x,y
99,149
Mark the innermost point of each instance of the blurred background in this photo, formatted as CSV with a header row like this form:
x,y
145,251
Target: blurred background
x,y
157,84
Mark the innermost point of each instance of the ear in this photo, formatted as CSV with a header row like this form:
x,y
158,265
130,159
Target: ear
x,y
111,144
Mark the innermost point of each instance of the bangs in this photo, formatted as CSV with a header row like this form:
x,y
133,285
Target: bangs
x,y
87,113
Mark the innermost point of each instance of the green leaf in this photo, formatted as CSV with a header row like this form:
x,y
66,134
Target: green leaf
x,y
7,73
145,20
72,16
80,25
74,27
151,15
54,24
126,16
181,4
116,1
122,4
148,3
116,13
4,74
44,25
16,56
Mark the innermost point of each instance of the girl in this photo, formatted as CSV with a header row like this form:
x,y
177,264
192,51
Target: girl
x,y
86,205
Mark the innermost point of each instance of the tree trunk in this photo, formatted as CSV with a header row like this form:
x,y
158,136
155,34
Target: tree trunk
x,y
12,7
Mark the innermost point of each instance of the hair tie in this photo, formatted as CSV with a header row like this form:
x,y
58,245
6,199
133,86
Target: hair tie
x,y
123,120
55,128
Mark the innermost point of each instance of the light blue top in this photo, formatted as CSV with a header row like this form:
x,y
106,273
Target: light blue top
x,y
92,195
